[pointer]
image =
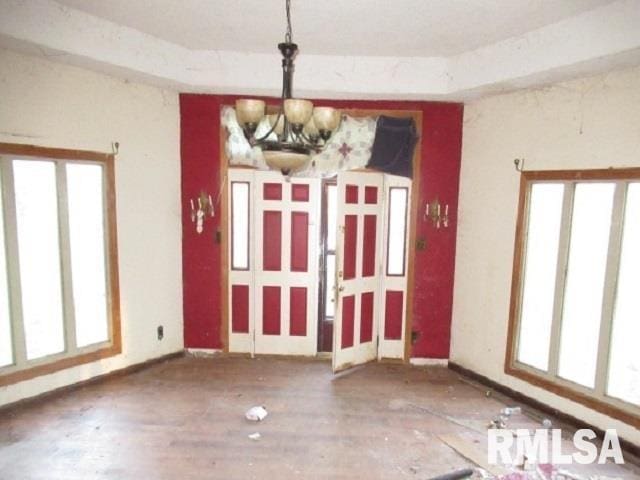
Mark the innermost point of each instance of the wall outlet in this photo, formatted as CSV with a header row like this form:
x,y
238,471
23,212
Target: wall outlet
x,y
160,332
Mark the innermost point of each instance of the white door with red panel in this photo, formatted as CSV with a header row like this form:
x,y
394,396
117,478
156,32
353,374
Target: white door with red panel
x,y
286,273
274,302
358,263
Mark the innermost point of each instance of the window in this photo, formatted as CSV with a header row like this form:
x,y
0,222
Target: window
x,y
240,230
397,230
574,301
58,260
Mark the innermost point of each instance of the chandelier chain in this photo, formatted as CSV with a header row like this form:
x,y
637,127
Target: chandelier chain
x,y
287,37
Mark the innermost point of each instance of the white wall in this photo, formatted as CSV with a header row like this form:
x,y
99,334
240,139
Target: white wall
x,y
588,123
54,105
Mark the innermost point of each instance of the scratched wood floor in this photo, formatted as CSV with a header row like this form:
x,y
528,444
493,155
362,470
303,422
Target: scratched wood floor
x,y
184,419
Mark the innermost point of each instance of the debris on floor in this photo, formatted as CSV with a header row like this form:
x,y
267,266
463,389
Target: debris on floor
x,y
254,436
510,410
500,421
256,414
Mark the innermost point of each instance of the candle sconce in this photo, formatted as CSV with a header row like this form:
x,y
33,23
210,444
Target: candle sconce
x,y
435,212
202,207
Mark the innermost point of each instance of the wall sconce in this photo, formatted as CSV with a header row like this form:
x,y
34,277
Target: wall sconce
x,y
433,212
205,207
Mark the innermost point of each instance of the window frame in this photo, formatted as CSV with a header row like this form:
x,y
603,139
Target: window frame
x,y
23,369
596,398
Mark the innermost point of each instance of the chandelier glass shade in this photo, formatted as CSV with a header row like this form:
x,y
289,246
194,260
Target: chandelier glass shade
x,y
297,129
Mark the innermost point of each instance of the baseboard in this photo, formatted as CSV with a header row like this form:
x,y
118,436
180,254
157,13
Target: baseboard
x,y
422,362
628,447
97,379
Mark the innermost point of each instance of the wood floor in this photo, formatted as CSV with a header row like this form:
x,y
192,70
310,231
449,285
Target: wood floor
x,y
184,419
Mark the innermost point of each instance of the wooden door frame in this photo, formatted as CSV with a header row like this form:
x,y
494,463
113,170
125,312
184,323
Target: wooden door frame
x,y
416,115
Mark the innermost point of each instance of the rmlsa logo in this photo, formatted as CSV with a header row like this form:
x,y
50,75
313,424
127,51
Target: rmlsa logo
x,y
541,447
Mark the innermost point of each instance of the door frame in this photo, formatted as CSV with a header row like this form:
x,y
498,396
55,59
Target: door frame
x,y
222,233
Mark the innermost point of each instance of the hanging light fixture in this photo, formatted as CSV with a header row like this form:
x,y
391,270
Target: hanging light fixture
x,y
299,128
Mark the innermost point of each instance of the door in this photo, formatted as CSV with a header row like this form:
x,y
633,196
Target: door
x,y
360,203
273,289
286,276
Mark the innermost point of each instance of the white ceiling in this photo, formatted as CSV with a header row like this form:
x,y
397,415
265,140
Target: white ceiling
x,y
404,28
405,49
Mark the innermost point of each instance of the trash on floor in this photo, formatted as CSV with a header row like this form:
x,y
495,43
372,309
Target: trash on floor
x,y
510,411
498,422
256,414
254,436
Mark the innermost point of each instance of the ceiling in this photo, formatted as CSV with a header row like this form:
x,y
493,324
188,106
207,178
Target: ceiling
x,y
404,49
404,28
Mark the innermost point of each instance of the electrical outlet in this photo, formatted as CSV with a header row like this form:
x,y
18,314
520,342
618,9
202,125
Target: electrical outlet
x,y
160,332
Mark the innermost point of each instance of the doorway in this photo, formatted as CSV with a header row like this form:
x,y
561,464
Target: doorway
x,y
318,265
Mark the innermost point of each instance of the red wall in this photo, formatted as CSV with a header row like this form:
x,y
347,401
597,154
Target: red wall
x,y
441,139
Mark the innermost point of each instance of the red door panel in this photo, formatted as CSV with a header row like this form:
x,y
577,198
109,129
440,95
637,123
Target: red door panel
x,y
272,191
299,193
369,246
272,241
393,315
371,195
348,314
366,317
350,246
298,311
240,308
271,310
299,241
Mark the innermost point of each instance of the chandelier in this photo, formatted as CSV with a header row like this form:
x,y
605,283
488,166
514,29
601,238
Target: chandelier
x,y
298,129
